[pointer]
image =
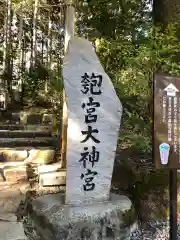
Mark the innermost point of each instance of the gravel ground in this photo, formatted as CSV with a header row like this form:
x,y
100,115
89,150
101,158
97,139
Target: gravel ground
x,y
158,230
154,230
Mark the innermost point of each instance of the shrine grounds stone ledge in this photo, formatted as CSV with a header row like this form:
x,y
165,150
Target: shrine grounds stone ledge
x,y
49,218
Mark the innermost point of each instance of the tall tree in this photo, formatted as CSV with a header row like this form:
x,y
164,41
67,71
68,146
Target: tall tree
x,y
33,47
7,59
166,11
20,55
49,50
69,32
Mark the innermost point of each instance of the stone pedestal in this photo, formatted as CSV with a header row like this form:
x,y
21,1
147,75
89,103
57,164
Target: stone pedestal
x,y
52,219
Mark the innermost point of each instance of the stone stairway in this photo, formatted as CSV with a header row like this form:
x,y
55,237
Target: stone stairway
x,y
29,160
24,129
27,139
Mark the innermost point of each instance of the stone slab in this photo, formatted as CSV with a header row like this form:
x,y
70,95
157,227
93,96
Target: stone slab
x,y
52,178
52,219
12,231
15,174
89,92
24,142
40,156
9,155
50,168
47,118
11,196
5,165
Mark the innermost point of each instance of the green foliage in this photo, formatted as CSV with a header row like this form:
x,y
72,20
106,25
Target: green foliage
x,y
131,67
129,47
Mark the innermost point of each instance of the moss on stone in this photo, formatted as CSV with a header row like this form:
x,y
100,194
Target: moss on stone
x,y
129,217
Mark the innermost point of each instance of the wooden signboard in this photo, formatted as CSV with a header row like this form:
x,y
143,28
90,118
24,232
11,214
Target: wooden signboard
x,y
166,121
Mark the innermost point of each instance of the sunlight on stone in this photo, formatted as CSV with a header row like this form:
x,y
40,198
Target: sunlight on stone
x,y
74,131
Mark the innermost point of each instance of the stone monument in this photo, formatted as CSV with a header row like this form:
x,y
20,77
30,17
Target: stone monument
x,y
87,211
94,115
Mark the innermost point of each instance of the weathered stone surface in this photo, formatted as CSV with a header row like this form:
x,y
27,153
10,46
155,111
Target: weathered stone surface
x,y
100,99
52,178
50,168
41,156
51,219
15,174
4,165
12,231
27,142
29,118
9,155
33,127
23,117
34,119
11,196
47,118
16,117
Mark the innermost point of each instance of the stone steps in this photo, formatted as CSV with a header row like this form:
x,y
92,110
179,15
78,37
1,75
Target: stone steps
x,y
14,173
51,175
24,133
10,156
16,164
28,142
29,127
25,117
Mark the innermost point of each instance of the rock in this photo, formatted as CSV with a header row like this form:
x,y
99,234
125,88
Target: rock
x,y
30,118
16,117
8,217
15,174
47,118
52,178
5,165
40,156
54,167
23,117
51,219
34,119
9,155
90,93
24,188
11,197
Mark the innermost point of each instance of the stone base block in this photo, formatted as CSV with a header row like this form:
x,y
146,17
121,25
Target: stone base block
x,y
41,156
53,178
52,219
16,174
10,155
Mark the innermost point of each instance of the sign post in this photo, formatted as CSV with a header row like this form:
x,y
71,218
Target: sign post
x,y
167,137
173,204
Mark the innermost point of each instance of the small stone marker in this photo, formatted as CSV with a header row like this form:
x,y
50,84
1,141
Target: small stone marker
x,y
94,115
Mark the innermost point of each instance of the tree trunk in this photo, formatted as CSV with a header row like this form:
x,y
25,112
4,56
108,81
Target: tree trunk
x,y
5,46
33,48
166,11
23,67
8,53
49,52
4,69
69,32
20,54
